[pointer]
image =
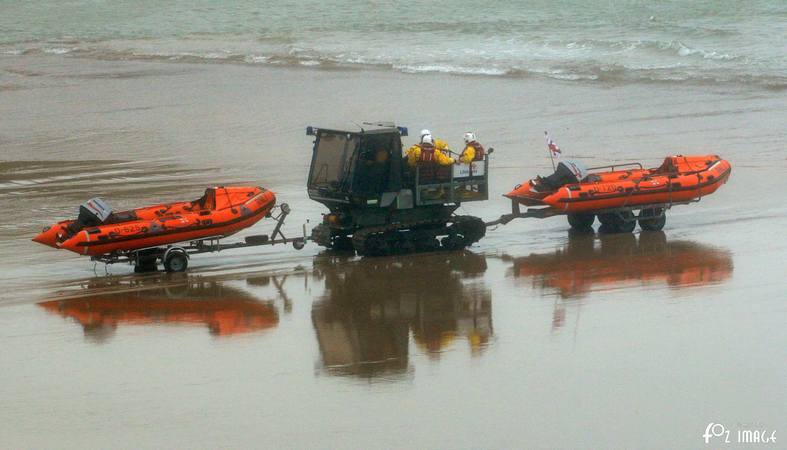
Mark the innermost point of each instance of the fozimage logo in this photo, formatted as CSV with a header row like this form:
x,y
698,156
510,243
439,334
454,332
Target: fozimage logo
x,y
744,434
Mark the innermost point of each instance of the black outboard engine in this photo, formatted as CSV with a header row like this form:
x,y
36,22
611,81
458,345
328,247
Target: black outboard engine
x,y
567,172
93,212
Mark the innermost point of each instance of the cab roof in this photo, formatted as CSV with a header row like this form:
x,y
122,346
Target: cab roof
x,y
364,128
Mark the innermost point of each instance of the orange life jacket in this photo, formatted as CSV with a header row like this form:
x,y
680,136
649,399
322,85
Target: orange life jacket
x,y
479,151
427,153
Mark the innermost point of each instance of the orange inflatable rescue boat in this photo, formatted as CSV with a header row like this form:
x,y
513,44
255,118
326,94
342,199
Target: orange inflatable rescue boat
x,y
614,193
98,230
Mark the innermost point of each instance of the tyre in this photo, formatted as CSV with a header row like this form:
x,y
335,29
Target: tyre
x,y
581,221
321,235
472,229
618,222
342,244
146,261
453,242
652,219
629,222
176,261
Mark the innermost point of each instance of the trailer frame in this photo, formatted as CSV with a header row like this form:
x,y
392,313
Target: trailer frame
x,y
175,256
548,211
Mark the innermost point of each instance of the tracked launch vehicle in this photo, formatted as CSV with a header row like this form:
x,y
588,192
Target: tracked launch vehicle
x,y
379,205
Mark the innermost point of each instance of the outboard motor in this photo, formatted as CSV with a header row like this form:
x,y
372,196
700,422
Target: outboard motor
x,y
567,172
93,212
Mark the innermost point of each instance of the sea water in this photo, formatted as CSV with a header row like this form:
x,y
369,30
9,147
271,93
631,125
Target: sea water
x,y
598,41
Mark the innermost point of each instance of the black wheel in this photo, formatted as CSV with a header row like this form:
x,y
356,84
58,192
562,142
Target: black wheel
x,y
321,235
453,242
146,261
342,244
652,219
581,221
176,261
471,228
629,222
618,222
298,244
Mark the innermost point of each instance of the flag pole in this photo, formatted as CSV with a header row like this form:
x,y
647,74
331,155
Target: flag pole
x,y
551,157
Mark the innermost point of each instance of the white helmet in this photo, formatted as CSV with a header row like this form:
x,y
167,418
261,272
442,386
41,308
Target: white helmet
x,y
427,139
469,137
425,131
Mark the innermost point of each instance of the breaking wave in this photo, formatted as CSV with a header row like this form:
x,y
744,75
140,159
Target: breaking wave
x,y
570,60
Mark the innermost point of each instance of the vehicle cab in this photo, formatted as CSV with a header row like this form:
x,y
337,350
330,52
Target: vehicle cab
x,y
365,168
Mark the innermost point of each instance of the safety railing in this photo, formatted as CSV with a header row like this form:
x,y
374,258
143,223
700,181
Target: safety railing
x,y
452,189
612,167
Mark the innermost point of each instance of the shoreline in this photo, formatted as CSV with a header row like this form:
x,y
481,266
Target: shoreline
x,y
604,78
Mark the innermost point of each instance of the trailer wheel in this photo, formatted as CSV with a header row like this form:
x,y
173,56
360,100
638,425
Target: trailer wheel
x,y
617,222
581,221
629,222
652,219
146,261
176,261
298,244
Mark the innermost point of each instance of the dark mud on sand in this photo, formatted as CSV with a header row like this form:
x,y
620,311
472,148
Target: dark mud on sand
x,y
535,337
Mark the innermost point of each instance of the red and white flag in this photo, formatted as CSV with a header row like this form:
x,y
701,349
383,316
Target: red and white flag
x,y
552,146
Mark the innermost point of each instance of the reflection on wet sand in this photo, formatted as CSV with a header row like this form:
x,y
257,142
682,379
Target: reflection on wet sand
x,y
364,320
611,260
223,309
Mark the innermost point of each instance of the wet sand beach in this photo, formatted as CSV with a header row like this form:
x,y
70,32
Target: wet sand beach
x,y
534,337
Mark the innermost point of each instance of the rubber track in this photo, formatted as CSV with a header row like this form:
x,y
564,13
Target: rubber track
x,y
361,236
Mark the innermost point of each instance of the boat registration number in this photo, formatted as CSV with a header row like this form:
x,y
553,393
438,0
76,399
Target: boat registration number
x,y
127,229
607,188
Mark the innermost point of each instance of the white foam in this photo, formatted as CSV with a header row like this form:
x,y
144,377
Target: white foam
x,y
683,50
58,50
445,68
256,59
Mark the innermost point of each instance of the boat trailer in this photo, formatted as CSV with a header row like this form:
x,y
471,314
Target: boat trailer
x,y
624,213
175,257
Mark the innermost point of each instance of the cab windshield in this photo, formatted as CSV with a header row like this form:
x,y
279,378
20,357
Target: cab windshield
x,y
332,163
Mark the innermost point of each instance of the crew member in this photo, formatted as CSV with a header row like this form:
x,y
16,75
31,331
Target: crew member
x,y
439,144
426,152
473,151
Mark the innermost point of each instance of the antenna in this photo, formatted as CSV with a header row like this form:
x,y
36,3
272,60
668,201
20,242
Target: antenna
x,y
357,125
